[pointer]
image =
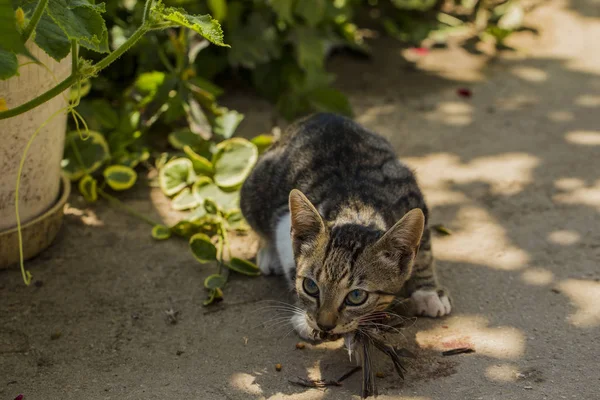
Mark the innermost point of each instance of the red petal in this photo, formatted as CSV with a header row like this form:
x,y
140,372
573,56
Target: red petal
x,y
422,51
19,397
463,92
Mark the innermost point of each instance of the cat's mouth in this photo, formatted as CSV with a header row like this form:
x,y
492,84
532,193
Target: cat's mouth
x,y
327,336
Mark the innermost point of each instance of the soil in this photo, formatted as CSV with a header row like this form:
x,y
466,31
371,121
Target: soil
x,y
512,171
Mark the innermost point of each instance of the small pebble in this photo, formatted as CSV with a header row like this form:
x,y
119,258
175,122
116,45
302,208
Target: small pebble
x,y
278,367
300,345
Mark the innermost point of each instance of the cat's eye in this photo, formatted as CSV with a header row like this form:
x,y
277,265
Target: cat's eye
x,y
356,297
310,287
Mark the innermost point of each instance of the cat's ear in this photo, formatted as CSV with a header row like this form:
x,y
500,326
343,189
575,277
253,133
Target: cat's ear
x,y
399,245
307,224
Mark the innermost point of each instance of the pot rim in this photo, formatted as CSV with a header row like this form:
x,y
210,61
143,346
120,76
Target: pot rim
x,y
65,191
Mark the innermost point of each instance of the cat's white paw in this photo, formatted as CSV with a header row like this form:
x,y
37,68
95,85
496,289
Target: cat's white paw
x,y
301,327
431,303
267,260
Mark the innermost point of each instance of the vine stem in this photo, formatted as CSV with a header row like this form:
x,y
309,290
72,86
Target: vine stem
x,y
126,208
76,74
35,19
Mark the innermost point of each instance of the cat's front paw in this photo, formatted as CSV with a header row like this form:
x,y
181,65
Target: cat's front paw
x,y
431,303
267,260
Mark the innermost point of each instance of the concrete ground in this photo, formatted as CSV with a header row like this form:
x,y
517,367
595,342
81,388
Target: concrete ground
x,y
513,171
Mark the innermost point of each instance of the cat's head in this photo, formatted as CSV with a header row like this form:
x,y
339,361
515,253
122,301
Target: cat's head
x,y
345,273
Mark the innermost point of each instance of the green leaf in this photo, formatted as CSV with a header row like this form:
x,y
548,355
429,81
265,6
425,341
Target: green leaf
x,y
283,9
88,188
211,206
176,175
202,248
233,162
120,177
215,281
226,124
196,214
243,267
513,18
442,229
9,65
10,38
200,84
254,43
215,295
420,5
161,232
218,9
81,20
147,85
313,11
204,189
204,25
201,165
52,39
262,142
185,229
196,118
105,114
330,100
236,220
184,137
310,48
93,152
184,200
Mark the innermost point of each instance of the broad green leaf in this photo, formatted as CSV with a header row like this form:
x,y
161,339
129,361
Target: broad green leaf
x,y
262,142
91,152
202,248
204,25
10,38
218,9
283,9
236,220
88,188
233,162
161,232
226,124
215,281
255,42
176,175
120,177
201,165
243,267
105,114
81,20
310,48
131,158
184,137
51,38
9,65
312,11
204,189
184,200
196,214
147,85
330,100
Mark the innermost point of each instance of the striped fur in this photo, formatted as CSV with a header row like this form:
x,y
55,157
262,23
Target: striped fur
x,y
351,191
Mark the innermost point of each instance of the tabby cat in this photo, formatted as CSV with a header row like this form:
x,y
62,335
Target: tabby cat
x,y
346,223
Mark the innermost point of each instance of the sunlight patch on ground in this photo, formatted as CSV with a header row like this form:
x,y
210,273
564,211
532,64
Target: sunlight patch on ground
x,y
561,116
588,100
245,383
516,102
502,373
586,296
472,331
310,394
530,74
564,237
494,249
569,183
584,138
589,196
507,174
371,115
537,276
88,217
454,113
